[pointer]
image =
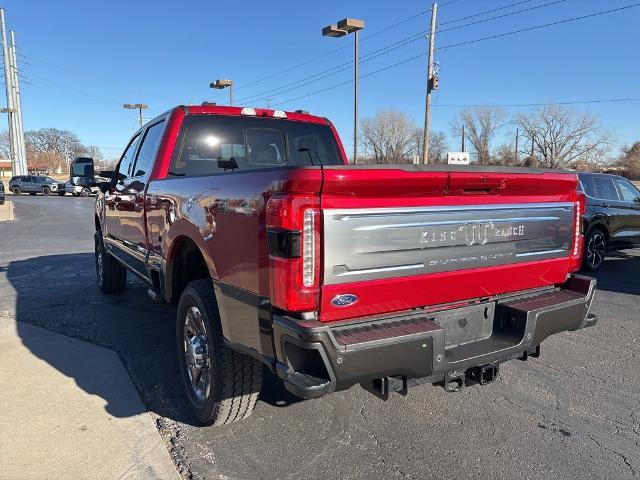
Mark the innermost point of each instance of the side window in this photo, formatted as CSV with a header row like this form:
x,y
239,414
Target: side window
x,y
627,191
605,189
26,179
127,157
265,146
209,145
148,149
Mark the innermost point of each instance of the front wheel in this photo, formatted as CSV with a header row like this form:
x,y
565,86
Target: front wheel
x,y
17,191
595,249
222,385
111,276
46,191
85,192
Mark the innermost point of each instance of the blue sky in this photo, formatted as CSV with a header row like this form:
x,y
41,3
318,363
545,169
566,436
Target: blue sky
x,y
85,59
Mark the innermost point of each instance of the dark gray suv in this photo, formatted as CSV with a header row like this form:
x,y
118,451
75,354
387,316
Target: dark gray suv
x,y
33,184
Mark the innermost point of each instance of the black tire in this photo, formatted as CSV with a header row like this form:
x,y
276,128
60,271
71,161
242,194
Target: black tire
x,y
111,276
61,194
85,192
233,380
595,250
46,191
17,191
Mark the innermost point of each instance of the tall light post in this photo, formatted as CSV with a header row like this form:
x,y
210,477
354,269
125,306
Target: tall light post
x,y
139,107
221,84
345,27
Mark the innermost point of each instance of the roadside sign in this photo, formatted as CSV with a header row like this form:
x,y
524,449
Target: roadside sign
x,y
458,158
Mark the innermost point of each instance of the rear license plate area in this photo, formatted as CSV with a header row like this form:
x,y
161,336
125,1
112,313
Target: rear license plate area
x,y
466,325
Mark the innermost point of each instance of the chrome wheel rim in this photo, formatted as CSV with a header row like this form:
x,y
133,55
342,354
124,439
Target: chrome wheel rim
x,y
196,353
596,249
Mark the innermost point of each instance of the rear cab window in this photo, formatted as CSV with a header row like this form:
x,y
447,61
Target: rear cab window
x,y
212,144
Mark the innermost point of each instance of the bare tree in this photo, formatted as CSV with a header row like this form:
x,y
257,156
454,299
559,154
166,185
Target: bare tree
x,y
390,135
437,145
480,125
5,145
506,155
562,136
93,152
630,161
52,141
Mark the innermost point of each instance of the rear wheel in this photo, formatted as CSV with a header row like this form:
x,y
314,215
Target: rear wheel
x,y
112,276
17,191
595,249
222,386
46,191
85,192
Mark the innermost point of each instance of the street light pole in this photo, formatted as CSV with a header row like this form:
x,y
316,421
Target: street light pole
x,y
222,83
345,27
139,107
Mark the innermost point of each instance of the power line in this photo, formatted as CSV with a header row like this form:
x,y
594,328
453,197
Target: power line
x,y
76,91
559,22
465,43
378,32
485,12
348,45
316,77
543,104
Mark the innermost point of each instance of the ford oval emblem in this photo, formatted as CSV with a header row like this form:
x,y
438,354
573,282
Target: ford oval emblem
x,y
344,300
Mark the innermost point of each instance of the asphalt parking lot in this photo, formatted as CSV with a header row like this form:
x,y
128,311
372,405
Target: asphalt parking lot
x,y
572,413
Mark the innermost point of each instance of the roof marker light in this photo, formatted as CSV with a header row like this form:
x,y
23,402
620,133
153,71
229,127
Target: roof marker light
x,y
248,111
279,114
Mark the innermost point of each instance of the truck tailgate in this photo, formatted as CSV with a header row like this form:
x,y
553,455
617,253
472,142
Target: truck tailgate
x,y
400,238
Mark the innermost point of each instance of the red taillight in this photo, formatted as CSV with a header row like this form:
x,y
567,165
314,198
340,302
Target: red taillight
x,y
293,228
578,237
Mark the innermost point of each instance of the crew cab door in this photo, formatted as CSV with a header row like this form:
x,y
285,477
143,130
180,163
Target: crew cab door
x,y
129,199
111,222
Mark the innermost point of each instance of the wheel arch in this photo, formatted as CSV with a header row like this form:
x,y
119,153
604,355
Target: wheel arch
x,y
598,225
185,263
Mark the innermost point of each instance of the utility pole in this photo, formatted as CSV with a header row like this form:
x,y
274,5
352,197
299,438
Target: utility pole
x,y
430,85
516,152
21,149
462,138
15,167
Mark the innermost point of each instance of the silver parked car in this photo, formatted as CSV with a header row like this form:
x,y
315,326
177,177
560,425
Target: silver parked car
x,y
33,184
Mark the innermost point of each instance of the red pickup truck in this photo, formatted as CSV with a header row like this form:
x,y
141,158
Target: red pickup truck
x,y
278,253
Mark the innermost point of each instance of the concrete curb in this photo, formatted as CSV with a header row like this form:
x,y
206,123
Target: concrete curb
x,y
6,212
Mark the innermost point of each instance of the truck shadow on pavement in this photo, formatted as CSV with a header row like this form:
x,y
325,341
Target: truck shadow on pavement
x,y
620,273
59,293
